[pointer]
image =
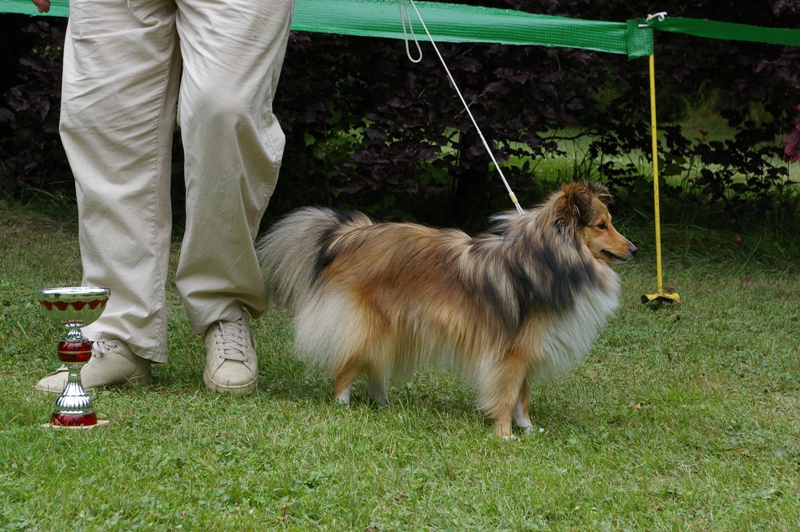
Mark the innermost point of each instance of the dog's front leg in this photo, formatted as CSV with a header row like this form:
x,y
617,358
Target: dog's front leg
x,y
503,392
522,419
502,427
521,416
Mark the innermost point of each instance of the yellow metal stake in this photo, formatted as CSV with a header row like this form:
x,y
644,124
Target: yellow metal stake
x,y
660,296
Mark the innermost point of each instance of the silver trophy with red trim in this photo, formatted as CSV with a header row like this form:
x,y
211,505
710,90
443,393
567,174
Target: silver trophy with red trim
x,y
74,308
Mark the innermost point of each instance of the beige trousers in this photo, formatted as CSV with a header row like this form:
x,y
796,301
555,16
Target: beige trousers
x,y
128,67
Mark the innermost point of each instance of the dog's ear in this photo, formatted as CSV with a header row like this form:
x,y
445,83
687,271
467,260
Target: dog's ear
x,y
578,199
599,191
577,204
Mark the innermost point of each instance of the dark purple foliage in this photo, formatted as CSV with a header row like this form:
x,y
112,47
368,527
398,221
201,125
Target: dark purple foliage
x,y
366,126
792,140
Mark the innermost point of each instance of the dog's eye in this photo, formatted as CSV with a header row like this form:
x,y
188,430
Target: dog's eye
x,y
602,226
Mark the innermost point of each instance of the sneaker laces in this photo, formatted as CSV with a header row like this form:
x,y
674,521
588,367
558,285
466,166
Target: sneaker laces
x,y
234,336
99,348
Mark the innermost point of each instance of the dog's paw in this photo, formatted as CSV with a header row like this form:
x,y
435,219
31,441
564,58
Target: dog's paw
x,y
344,398
377,390
530,430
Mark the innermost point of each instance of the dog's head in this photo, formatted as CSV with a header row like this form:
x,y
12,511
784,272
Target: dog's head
x,y
583,206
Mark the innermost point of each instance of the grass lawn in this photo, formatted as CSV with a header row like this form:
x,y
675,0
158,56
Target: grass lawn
x,y
683,418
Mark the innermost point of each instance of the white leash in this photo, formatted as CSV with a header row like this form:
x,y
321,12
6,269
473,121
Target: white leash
x,y
406,17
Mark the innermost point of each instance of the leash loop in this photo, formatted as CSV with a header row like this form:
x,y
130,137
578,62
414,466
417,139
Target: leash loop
x,y
407,17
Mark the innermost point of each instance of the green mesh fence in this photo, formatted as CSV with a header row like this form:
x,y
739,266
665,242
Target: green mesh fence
x,y
460,23
728,31
446,22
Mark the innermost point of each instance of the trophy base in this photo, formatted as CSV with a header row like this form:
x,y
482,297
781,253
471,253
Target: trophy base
x,y
100,423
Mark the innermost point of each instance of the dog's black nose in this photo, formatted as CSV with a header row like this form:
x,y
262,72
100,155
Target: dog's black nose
x,y
633,249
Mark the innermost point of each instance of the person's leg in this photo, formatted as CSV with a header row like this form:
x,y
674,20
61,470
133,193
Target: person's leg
x,y
121,74
120,83
232,51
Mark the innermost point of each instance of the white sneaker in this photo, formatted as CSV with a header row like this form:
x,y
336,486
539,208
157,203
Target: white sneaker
x,y
112,362
231,360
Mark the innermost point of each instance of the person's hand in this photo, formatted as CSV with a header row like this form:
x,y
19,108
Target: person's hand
x,y
42,5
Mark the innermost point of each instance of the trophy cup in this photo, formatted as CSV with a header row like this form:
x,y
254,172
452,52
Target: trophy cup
x,y
74,307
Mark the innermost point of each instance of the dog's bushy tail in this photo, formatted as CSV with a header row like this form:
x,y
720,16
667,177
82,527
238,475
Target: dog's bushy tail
x,y
293,251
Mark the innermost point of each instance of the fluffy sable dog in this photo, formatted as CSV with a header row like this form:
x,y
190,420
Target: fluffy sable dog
x,y
523,301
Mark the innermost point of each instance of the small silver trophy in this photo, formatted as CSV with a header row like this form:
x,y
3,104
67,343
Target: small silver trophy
x,y
74,307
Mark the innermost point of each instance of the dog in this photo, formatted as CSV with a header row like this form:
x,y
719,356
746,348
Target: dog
x,y
522,301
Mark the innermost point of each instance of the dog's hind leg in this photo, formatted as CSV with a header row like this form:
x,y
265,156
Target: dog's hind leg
x,y
344,379
377,390
361,348
521,416
377,387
